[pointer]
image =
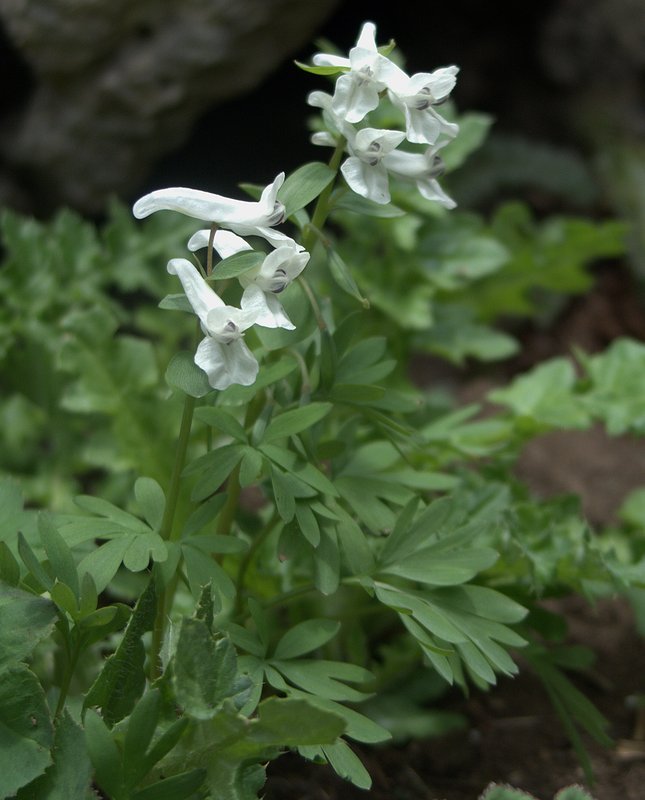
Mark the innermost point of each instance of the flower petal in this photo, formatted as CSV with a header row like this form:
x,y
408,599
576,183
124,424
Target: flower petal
x,y
431,190
266,307
369,182
367,37
226,364
200,295
226,243
329,60
238,215
353,98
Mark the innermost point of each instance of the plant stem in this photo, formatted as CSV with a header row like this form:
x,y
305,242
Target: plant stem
x,y
169,533
166,529
227,514
286,597
248,558
313,232
321,211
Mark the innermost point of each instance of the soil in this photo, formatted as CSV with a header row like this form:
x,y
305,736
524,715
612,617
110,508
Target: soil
x,y
513,734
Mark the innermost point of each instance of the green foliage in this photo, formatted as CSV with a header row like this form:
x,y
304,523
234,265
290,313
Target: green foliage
x,y
498,791
310,560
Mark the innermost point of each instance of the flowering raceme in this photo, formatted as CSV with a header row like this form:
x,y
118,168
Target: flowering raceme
x,y
223,354
374,154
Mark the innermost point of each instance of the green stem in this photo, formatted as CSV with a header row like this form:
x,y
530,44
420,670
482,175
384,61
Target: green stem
x,y
169,533
292,594
322,325
233,488
321,211
209,253
166,529
313,231
227,514
248,558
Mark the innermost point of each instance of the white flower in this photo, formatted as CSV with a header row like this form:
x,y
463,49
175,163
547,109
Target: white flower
x,y
271,277
423,169
241,216
275,238
222,354
417,95
336,125
365,170
357,91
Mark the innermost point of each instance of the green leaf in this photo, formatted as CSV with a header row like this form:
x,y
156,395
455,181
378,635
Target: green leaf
x,y
176,302
347,764
343,277
295,421
305,637
142,724
283,494
223,421
204,514
473,130
11,511
316,70
103,563
290,722
546,395
70,776
349,201
33,564
142,548
449,568
323,678
327,562
573,793
250,466
356,394
354,545
237,264
164,744
122,679
204,670
618,386
178,787
9,567
59,555
151,500
202,570
216,466
104,754
103,508
24,621
304,185
497,791
308,524
182,373
65,599
26,733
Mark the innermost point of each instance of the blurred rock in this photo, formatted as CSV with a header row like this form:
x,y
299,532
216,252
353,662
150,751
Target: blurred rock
x,y
117,84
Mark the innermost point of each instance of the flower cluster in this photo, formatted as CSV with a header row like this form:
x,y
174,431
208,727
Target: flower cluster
x,y
374,154
222,354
